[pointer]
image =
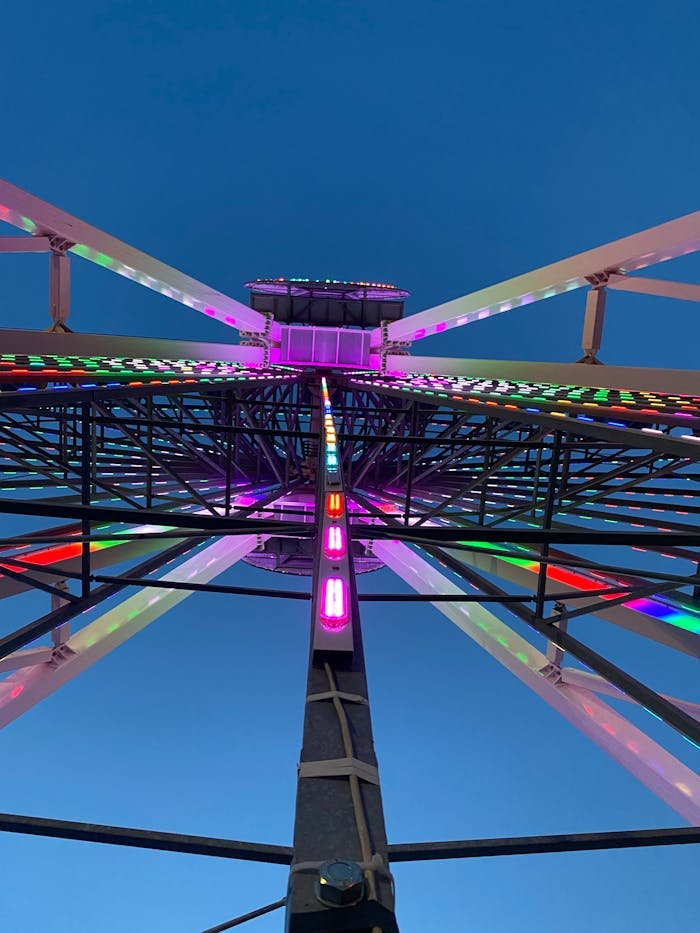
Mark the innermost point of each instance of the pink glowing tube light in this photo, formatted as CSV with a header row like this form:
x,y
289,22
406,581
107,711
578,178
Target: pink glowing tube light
x,y
334,604
334,543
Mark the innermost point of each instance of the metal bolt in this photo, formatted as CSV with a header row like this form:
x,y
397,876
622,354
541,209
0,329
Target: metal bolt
x,y
340,883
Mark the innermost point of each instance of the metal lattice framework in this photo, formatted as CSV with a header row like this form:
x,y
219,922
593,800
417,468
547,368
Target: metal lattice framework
x,y
550,491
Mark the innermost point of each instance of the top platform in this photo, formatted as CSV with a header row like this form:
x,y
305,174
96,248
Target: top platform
x,y
327,302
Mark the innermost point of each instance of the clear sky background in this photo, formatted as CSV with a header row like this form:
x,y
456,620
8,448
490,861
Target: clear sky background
x,y
442,146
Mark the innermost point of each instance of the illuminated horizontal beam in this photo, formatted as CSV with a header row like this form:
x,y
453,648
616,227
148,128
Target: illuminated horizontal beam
x,y
639,622
661,287
664,775
36,216
657,244
68,558
40,343
671,381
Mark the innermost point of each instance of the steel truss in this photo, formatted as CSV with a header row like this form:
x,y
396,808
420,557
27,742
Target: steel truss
x,y
549,495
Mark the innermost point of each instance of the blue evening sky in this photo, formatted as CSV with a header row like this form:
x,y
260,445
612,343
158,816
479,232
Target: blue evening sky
x,y
443,146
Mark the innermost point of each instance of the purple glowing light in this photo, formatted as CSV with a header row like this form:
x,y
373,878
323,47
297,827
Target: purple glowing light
x,y
334,543
334,604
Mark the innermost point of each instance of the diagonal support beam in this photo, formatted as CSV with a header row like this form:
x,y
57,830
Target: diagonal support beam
x,y
664,775
34,215
684,291
657,244
27,686
597,684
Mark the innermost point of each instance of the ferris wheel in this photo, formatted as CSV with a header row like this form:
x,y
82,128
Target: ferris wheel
x,y
321,446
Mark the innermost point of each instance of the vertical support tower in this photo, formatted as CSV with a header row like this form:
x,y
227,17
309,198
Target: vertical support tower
x,y
339,878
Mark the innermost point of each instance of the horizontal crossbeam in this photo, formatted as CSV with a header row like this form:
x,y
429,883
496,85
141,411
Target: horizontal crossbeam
x,y
398,852
145,839
202,587
535,536
207,523
530,845
635,378
40,343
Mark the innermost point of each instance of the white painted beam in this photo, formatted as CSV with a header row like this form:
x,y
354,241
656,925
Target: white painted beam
x,y
109,345
27,657
661,287
36,216
671,381
26,687
657,244
590,681
25,244
664,775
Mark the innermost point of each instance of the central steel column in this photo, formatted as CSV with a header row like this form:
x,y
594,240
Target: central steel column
x,y
339,812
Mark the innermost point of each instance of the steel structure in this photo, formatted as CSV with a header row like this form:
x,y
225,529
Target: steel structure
x,y
549,491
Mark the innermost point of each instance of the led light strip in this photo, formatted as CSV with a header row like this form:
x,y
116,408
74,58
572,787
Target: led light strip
x,y
65,372
679,616
333,631
619,404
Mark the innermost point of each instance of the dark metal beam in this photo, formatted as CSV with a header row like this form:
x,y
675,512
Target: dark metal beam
x,y
446,535
145,839
210,524
530,845
202,587
244,918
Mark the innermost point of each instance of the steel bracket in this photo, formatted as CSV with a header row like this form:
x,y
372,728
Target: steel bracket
x,y
389,347
263,340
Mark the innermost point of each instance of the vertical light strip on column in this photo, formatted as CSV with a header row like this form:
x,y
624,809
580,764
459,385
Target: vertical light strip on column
x,y
332,631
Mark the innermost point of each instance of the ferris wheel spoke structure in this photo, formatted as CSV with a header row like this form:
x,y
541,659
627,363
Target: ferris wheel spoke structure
x,y
137,470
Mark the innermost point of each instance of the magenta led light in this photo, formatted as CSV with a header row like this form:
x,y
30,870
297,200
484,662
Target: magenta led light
x,y
334,604
334,544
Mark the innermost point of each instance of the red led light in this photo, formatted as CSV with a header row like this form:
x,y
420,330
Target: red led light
x,y
334,504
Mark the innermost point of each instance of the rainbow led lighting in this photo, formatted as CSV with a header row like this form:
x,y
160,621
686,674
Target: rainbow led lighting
x,y
53,372
334,542
334,604
671,615
585,403
334,504
331,444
